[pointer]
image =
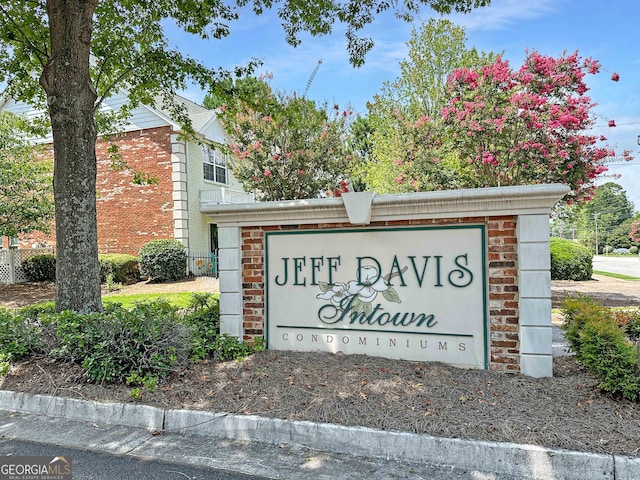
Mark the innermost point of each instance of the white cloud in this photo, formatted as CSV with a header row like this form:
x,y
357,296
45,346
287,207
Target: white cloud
x,y
501,13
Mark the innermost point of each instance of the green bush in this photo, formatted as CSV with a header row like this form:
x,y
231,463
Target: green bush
x,y
577,311
40,268
570,260
123,268
226,347
203,319
633,250
602,341
163,260
17,337
612,358
137,346
146,340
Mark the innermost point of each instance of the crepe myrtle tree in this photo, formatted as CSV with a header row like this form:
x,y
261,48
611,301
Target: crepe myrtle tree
x,y
286,147
527,126
68,55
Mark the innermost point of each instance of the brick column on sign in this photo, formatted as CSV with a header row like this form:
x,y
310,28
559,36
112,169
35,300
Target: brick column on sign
x,y
253,282
504,339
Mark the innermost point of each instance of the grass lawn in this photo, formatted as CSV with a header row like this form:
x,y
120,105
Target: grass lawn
x,y
615,275
179,299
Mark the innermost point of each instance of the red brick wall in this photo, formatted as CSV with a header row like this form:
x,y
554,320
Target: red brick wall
x,y
130,215
502,261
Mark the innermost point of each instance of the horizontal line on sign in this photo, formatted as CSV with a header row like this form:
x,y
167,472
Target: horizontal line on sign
x,y
376,331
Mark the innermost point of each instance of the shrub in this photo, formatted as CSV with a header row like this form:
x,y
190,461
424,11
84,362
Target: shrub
x,y
17,336
226,348
577,311
633,250
203,319
612,358
123,268
570,260
163,260
40,268
602,342
147,340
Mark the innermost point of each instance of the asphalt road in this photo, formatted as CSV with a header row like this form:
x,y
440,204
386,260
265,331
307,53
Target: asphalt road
x,y
91,465
627,265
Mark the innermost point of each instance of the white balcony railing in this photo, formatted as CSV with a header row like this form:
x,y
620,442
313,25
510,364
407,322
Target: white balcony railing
x,y
217,196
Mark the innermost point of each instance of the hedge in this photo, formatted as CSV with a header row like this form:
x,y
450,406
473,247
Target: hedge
x,y
570,260
124,268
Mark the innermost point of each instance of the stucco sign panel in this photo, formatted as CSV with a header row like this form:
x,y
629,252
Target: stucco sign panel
x,y
412,293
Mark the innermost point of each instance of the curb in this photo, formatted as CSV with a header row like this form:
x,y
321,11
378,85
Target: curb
x,y
521,461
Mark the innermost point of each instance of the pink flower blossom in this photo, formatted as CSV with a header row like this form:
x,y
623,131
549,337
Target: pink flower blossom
x,y
267,173
612,123
615,77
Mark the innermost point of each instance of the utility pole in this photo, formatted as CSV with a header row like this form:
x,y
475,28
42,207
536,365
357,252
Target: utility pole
x,y
595,216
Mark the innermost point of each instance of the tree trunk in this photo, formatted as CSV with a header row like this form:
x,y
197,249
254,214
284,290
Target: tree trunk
x,y
71,99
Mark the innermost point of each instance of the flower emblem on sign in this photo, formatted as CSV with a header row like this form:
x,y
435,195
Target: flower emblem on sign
x,y
359,294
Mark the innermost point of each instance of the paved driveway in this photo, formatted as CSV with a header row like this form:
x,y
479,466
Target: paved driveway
x,y
627,265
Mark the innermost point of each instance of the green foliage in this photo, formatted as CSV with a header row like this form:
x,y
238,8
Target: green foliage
x,y
138,346
17,337
619,236
226,347
633,250
570,260
40,268
203,320
407,139
577,311
163,260
111,346
148,382
123,268
26,190
610,209
603,345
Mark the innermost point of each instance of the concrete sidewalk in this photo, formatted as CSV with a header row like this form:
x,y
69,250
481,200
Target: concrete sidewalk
x,y
276,448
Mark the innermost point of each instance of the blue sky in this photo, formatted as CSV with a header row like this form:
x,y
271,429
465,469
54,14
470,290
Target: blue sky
x,y
606,31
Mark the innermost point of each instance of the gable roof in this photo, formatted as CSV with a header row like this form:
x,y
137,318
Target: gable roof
x,y
142,117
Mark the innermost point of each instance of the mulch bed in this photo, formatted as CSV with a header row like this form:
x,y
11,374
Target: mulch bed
x,y
566,411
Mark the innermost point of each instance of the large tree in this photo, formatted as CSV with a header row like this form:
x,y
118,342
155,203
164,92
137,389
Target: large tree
x,y
82,50
26,190
405,114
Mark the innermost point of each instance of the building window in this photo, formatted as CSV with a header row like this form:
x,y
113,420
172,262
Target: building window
x,y
214,164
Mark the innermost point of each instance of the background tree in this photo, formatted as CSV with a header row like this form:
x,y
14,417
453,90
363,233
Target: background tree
x,y
405,115
286,147
45,52
26,190
609,208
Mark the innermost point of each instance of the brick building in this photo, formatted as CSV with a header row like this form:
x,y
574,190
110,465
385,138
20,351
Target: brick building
x,y
188,175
